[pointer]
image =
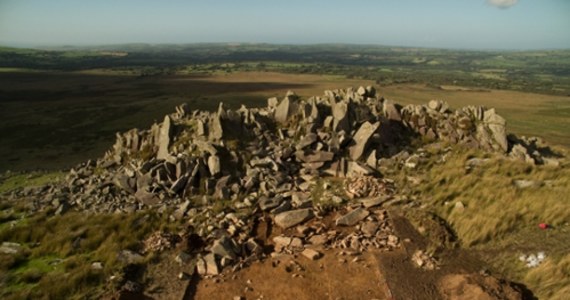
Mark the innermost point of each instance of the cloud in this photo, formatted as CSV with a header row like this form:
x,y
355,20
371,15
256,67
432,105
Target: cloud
x,y
502,3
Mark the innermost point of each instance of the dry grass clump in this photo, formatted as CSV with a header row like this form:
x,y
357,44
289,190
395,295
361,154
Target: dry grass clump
x,y
59,251
551,280
493,205
498,220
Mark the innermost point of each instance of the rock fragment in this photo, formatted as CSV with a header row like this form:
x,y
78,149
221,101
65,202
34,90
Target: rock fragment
x,y
352,217
294,217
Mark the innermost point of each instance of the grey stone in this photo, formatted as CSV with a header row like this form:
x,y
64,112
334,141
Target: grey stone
x,y
524,184
214,165
307,141
370,228
201,266
465,123
311,254
459,207
476,162
200,128
357,168
551,162
272,102
205,147
97,265
284,110
211,263
434,105
164,138
283,207
269,203
216,131
146,197
253,248
281,242
221,190
182,110
361,139
497,126
302,200
225,247
183,258
130,257
126,183
179,184
62,208
10,248
318,239
353,217
181,211
519,152
370,91
337,200
374,201
319,156
293,217
391,111
341,117
372,161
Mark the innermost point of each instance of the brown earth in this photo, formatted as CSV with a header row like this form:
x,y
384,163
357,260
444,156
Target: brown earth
x,y
372,275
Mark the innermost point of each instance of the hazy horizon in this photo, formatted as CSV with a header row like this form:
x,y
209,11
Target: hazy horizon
x,y
448,24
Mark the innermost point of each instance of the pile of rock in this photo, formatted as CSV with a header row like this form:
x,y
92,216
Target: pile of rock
x,y
270,151
225,169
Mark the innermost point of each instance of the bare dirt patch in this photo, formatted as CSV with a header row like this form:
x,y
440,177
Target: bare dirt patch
x,y
279,278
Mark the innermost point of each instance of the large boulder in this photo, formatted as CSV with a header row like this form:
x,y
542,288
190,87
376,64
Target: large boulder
x,y
226,247
164,138
353,217
216,131
341,116
391,111
497,126
361,139
285,110
214,165
293,217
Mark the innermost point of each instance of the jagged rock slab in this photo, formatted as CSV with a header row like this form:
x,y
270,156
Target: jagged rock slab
x,y
361,139
293,217
311,254
353,217
212,267
225,247
164,138
374,201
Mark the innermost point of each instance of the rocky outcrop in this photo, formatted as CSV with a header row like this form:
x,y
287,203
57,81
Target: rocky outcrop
x,y
222,170
263,152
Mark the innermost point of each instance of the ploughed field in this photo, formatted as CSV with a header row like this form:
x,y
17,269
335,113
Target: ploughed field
x,y
54,120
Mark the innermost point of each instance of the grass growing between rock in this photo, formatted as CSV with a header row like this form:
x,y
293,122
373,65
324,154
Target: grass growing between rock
x,y
33,179
494,206
325,190
57,253
551,279
497,219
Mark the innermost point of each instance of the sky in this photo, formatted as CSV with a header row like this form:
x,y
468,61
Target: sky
x,y
463,24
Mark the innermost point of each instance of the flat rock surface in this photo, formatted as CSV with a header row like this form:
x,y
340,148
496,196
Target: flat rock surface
x,y
352,217
293,217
